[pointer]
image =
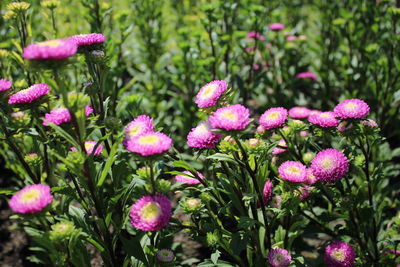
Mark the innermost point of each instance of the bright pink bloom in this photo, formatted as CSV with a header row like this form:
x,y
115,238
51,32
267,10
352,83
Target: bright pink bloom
x,y
54,50
88,110
255,35
188,178
273,118
57,116
210,93
310,177
151,213
31,199
291,38
279,149
234,117
279,257
293,171
299,112
202,136
88,39
339,254
323,119
29,94
140,125
150,143
307,75
351,109
5,85
329,165
267,192
89,146
276,26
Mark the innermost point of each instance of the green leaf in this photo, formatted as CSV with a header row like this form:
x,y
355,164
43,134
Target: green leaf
x,y
109,162
222,157
134,249
215,257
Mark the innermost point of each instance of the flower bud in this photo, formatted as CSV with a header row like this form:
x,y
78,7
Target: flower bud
x,y
212,239
62,231
50,4
191,205
18,7
308,157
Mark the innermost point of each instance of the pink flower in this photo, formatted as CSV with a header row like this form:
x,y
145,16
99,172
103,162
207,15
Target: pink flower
x,y
310,177
323,119
57,116
256,67
30,94
255,35
339,254
307,75
279,257
293,171
88,110
280,147
329,165
351,109
88,39
267,192
291,38
149,144
188,178
54,50
140,125
234,117
89,146
305,192
31,199
151,213
273,118
369,123
5,85
210,93
299,112
202,136
276,26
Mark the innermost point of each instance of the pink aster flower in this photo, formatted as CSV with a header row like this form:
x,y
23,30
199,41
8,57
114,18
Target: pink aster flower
x,y
305,192
209,94
293,171
54,50
280,148
276,26
5,85
150,143
369,123
29,94
279,257
310,177
57,116
329,165
140,125
165,255
339,254
31,199
255,35
299,112
323,119
291,38
151,213
234,117
202,136
188,178
273,118
351,109
88,39
307,75
88,110
89,146
267,192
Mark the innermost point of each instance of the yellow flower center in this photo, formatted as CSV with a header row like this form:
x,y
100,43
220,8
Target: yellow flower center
x,y
51,43
89,146
151,211
350,106
30,196
229,115
338,255
135,130
148,139
327,163
273,115
325,115
293,170
209,90
202,129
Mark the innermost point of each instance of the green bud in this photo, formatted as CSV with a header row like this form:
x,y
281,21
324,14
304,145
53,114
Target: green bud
x,y
18,7
191,205
51,4
359,160
62,231
112,123
33,159
212,239
163,186
308,157
143,172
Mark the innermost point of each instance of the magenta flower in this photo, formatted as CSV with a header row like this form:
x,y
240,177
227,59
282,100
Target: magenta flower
x,y
202,136
54,50
329,165
89,146
279,257
57,116
188,179
140,125
209,94
280,148
351,109
323,119
307,75
255,35
273,118
31,199
88,110
29,94
267,192
339,254
291,38
149,144
151,213
88,39
234,117
293,171
5,85
310,177
276,26
299,112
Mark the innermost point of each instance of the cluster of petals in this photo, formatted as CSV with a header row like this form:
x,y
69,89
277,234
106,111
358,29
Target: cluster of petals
x,y
210,93
234,117
280,148
141,124
291,38
329,165
339,254
149,144
57,116
276,26
299,112
267,192
188,178
323,119
351,109
279,257
151,212
273,118
88,39
52,50
29,94
88,110
202,136
293,171
5,84
255,35
310,177
89,146
306,75
31,199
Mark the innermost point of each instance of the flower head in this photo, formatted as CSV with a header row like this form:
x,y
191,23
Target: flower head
x,y
140,125
234,117
31,199
255,35
276,26
62,230
5,85
306,75
151,213
310,177
293,171
279,257
165,255
150,143
369,123
299,112
339,254
209,94
202,136
329,165
291,38
53,49
267,192
188,178
57,116
29,94
273,118
88,110
351,109
89,146
88,39
280,148
323,119
18,6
